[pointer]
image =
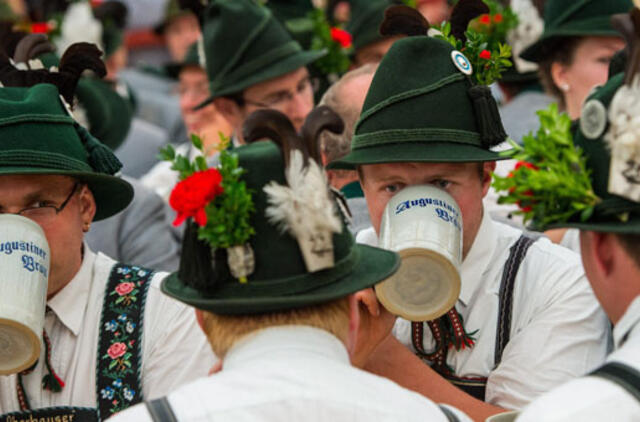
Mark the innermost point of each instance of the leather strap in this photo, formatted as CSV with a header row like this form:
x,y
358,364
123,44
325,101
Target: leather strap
x,y
505,309
160,410
623,375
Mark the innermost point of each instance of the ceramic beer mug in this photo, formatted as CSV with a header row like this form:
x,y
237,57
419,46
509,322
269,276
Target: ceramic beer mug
x,y
24,271
424,225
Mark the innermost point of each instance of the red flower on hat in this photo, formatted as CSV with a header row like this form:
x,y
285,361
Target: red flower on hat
x,y
485,54
497,18
341,36
40,28
525,164
190,196
485,19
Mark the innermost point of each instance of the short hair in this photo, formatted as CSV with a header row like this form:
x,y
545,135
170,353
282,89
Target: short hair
x,y
561,51
631,245
223,331
335,146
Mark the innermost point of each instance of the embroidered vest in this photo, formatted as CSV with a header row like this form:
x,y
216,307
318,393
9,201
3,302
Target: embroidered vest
x,y
119,357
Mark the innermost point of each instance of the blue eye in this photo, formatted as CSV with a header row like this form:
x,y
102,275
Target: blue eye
x,y
392,188
442,184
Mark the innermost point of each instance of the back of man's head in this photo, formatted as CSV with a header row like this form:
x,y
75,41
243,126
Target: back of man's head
x,y
346,98
223,331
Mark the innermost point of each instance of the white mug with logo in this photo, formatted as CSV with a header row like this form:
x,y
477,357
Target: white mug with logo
x,y
424,225
24,274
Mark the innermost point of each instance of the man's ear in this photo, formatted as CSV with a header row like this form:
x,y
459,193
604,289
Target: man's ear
x,y
487,169
87,204
354,323
229,110
200,318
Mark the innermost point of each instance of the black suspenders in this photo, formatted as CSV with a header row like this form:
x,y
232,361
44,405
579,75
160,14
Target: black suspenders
x,y
160,410
623,375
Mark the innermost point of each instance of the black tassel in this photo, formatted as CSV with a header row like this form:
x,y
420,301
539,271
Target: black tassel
x,y
487,116
101,158
197,269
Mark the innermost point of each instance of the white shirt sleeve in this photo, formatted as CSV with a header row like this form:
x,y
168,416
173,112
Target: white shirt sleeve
x,y
176,350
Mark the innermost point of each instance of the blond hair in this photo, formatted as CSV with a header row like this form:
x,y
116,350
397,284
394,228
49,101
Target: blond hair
x,y
223,331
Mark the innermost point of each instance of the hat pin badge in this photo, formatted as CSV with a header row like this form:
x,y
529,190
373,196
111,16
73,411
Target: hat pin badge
x,y
461,62
593,119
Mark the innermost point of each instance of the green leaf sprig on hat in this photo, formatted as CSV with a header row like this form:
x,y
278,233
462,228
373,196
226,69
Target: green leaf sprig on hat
x,y
476,29
216,198
551,182
335,40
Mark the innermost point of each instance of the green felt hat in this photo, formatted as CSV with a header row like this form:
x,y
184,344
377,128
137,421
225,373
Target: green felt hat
x,y
39,137
575,18
286,10
364,24
280,280
246,45
606,215
433,113
108,115
190,59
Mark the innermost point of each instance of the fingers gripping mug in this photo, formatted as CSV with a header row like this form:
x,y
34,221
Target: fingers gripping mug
x,y
24,271
424,225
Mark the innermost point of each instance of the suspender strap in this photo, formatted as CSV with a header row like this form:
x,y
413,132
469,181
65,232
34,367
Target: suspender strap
x,y
623,375
451,417
119,359
161,411
516,256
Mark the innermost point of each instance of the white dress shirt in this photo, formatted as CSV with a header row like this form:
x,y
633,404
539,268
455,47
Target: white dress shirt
x,y
293,373
174,349
558,330
591,398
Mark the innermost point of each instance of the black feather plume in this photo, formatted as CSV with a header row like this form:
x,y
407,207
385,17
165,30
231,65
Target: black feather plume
x,y
403,20
196,6
463,13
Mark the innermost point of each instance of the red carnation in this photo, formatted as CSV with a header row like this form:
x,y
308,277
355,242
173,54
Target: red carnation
x,y
485,19
485,54
342,37
40,28
525,164
191,195
497,18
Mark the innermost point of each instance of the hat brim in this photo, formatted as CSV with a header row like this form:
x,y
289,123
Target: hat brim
x,y
538,51
282,67
374,266
112,194
418,152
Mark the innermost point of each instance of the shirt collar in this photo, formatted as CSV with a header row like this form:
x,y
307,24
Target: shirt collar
x,y
475,263
629,321
70,303
299,339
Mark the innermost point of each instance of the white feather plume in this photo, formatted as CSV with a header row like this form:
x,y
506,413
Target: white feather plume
x,y
528,31
79,25
304,205
623,137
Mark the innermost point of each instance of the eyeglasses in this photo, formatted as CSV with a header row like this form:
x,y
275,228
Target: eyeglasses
x,y
44,213
279,102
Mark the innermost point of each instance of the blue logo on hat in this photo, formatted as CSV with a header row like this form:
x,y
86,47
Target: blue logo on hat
x,y
461,62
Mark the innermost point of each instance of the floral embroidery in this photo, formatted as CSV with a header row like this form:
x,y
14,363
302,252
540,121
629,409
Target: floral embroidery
x,y
119,361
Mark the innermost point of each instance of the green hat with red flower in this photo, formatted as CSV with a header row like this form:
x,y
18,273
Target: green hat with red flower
x,y
588,176
286,245
440,110
243,44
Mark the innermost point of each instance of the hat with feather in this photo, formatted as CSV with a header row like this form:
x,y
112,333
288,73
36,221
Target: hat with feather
x,y
435,112
303,254
39,134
